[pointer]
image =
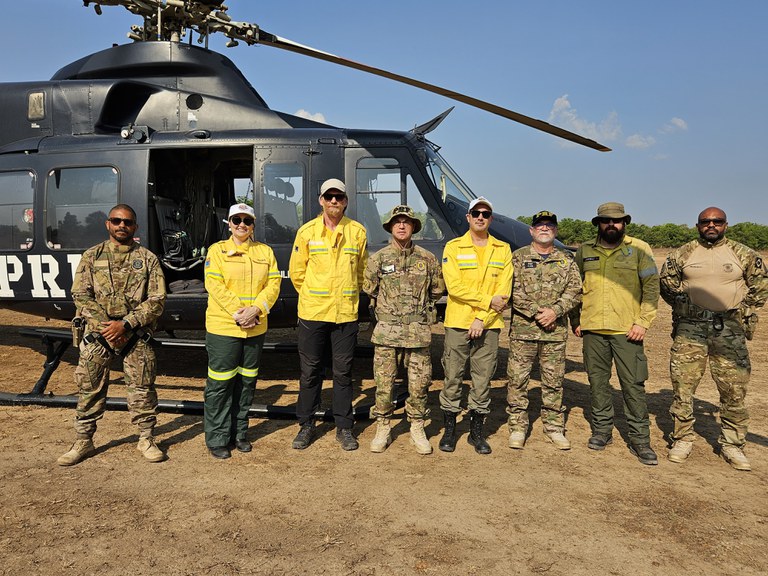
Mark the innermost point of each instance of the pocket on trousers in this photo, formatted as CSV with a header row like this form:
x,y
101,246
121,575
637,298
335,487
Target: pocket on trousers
x,y
641,367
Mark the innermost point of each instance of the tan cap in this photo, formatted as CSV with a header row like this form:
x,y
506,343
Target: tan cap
x,y
333,184
406,211
613,210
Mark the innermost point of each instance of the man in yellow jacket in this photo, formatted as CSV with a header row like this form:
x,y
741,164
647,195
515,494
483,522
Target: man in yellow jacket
x,y
621,293
327,266
477,269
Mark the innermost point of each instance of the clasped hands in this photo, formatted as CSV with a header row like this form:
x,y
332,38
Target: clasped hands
x,y
247,317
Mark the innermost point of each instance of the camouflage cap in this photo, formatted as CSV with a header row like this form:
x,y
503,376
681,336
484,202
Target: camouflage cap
x,y
406,211
613,210
544,215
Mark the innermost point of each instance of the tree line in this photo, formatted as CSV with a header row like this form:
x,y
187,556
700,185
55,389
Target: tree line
x,y
573,232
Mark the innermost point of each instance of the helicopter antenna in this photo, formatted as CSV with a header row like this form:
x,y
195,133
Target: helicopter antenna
x,y
170,19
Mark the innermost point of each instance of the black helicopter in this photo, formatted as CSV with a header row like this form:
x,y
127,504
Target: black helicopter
x,y
176,131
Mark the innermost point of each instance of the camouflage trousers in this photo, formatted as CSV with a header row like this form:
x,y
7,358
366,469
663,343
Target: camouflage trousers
x,y
726,350
418,363
551,355
92,379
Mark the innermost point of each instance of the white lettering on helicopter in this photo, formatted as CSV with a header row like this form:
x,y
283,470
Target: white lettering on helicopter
x,y
43,270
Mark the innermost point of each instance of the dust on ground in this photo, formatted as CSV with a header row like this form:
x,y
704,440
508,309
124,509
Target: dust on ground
x,y
325,511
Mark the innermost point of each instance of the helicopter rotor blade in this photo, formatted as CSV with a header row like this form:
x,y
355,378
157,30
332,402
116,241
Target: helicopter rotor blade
x,y
285,44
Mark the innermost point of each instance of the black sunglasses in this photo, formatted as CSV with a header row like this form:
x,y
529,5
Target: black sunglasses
x,y
328,196
715,221
127,221
484,213
236,220
610,220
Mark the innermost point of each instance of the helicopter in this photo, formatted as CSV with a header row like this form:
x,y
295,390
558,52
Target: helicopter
x,y
177,132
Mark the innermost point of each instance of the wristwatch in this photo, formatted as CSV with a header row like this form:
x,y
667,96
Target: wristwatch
x,y
127,325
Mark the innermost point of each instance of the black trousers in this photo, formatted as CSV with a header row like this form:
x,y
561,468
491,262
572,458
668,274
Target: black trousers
x,y
313,337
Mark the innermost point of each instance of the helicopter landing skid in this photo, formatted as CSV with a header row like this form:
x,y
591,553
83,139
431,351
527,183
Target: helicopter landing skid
x,y
57,342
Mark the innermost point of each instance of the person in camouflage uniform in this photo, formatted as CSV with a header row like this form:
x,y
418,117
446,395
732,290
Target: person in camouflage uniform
x,y
546,286
715,287
119,292
404,281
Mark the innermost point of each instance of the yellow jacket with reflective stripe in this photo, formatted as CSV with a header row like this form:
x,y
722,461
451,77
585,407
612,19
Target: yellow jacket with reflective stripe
x,y
621,286
327,269
471,283
239,276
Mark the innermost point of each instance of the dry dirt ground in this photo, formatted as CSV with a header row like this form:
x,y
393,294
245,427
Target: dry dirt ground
x,y
325,511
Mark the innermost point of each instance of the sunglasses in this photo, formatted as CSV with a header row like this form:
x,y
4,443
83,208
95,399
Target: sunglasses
x,y
549,225
484,213
328,196
715,221
610,220
127,221
236,220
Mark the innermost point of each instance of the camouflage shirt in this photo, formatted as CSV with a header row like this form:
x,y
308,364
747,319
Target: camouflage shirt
x,y
553,282
115,282
405,285
755,273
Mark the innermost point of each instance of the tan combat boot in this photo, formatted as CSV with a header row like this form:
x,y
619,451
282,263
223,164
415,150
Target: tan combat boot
x,y
383,436
559,440
149,449
81,449
735,457
680,451
517,439
419,438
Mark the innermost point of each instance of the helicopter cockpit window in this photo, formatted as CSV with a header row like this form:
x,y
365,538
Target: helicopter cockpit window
x,y
78,201
446,180
382,184
17,191
283,194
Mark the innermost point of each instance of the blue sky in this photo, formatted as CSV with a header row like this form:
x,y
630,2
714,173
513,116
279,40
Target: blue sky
x,y
677,89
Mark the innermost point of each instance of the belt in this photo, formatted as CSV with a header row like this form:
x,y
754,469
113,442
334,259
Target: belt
x,y
406,319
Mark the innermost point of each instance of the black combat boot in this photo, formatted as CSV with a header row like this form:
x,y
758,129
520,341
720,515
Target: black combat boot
x,y
448,441
476,437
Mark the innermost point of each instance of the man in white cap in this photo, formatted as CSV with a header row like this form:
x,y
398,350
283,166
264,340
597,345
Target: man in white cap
x,y
621,294
478,275
326,268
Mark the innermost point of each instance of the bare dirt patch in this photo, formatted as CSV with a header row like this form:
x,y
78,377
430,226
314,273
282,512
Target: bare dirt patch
x,y
324,511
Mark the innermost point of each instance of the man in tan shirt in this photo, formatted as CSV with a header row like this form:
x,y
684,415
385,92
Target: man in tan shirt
x,y
715,287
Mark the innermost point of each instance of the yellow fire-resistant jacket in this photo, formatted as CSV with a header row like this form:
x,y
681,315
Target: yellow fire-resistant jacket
x,y
472,284
621,287
239,276
327,269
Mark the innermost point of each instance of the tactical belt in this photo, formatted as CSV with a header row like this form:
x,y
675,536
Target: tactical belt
x,y
407,319
138,334
698,314
96,337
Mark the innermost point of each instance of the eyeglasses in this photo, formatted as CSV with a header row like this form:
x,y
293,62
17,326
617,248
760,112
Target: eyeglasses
x,y
236,220
328,196
715,221
484,213
127,221
550,225
610,220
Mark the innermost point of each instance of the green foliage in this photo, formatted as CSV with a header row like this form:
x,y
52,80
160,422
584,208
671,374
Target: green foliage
x,y
574,232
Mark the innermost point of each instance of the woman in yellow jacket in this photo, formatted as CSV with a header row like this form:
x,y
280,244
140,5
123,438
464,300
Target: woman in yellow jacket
x,y
243,283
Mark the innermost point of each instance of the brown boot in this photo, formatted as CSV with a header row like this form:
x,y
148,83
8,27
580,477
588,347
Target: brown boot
x,y
419,438
149,449
81,449
383,436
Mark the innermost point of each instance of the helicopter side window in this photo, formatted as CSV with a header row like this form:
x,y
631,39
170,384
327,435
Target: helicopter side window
x,y
382,184
283,206
78,201
17,191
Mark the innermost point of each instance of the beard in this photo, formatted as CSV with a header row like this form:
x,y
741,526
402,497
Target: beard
x,y
613,235
711,236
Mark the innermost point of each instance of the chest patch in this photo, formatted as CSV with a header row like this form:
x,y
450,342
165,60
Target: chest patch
x,y
529,264
591,258
388,269
137,264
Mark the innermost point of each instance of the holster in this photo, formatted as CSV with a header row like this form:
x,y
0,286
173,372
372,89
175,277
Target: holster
x,y
750,325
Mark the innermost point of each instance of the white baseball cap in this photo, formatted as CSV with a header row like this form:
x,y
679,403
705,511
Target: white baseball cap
x,y
481,200
241,209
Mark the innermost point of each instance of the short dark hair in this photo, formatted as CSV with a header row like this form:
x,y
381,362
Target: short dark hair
x,y
123,207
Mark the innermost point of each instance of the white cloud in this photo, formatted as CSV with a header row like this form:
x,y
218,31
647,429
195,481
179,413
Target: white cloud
x,y
675,125
317,117
565,116
639,141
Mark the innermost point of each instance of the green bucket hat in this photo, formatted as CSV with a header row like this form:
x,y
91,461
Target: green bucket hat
x,y
406,211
